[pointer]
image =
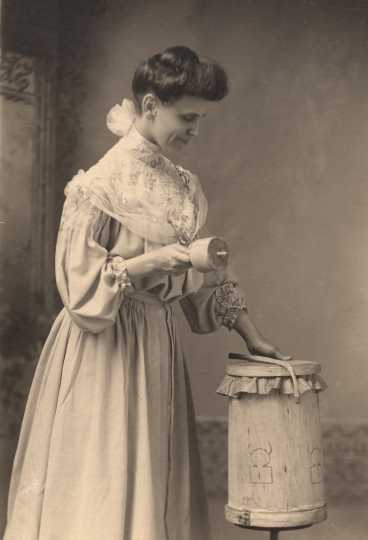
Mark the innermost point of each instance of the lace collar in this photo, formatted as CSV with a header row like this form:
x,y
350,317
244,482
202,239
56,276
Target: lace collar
x,y
137,185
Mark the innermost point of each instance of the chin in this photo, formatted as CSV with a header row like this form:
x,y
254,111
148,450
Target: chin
x,y
176,146
180,143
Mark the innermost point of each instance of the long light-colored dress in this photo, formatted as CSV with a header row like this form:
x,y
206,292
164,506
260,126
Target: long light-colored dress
x,y
108,449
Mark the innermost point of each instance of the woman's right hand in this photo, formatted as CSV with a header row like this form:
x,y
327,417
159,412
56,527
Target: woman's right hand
x,y
172,259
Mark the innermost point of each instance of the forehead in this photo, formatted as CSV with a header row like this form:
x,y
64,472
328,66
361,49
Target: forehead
x,y
191,105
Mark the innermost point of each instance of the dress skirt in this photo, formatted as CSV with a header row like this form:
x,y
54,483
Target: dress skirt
x,y
108,449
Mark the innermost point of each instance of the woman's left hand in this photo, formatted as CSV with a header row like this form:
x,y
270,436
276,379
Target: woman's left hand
x,y
261,347
255,343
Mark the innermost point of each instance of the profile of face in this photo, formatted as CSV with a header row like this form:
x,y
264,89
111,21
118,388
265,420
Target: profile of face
x,y
172,126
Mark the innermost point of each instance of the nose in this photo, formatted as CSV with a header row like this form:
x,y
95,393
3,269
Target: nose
x,y
194,129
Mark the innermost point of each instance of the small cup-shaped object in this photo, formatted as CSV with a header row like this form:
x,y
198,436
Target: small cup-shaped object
x,y
208,254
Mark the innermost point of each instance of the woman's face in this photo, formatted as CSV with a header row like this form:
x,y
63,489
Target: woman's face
x,y
174,125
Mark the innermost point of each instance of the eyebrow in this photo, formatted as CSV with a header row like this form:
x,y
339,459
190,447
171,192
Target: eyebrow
x,y
198,115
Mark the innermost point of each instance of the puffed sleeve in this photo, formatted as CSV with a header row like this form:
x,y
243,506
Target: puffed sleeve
x,y
91,281
217,303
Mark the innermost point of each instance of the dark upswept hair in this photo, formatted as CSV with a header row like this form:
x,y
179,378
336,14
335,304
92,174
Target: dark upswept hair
x,y
177,72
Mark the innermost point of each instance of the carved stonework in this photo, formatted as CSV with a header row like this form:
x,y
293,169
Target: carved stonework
x,y
17,77
47,46
27,207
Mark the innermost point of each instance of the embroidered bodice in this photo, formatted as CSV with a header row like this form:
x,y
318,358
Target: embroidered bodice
x,y
137,185
132,201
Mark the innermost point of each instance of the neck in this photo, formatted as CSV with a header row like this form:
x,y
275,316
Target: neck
x,y
144,129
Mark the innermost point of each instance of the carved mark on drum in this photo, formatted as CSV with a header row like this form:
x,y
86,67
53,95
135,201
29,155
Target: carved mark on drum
x,y
316,467
260,469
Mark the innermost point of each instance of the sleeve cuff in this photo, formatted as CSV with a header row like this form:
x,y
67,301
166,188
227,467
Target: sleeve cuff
x,y
229,303
119,271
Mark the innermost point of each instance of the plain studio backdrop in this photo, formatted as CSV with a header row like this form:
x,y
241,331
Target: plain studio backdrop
x,y
283,162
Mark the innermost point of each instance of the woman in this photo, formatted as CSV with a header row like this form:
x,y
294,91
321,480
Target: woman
x,y
107,448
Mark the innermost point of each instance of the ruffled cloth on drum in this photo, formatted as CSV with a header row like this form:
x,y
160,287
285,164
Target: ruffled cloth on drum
x,y
233,386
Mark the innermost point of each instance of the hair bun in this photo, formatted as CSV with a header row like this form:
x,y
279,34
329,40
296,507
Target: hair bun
x,y
178,56
176,72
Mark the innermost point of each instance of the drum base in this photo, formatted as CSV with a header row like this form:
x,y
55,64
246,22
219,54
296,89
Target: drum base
x,y
265,520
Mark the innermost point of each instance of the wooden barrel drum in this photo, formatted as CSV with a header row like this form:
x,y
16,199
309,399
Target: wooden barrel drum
x,y
275,450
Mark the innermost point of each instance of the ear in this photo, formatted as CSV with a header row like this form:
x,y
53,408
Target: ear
x,y
150,105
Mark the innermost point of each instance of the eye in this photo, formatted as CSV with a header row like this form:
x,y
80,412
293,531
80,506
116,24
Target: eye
x,y
189,117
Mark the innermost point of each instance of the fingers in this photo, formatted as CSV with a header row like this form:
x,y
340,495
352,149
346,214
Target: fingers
x,y
278,355
181,253
266,349
180,247
181,256
173,258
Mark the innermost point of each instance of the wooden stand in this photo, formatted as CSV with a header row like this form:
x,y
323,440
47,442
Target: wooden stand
x,y
275,448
